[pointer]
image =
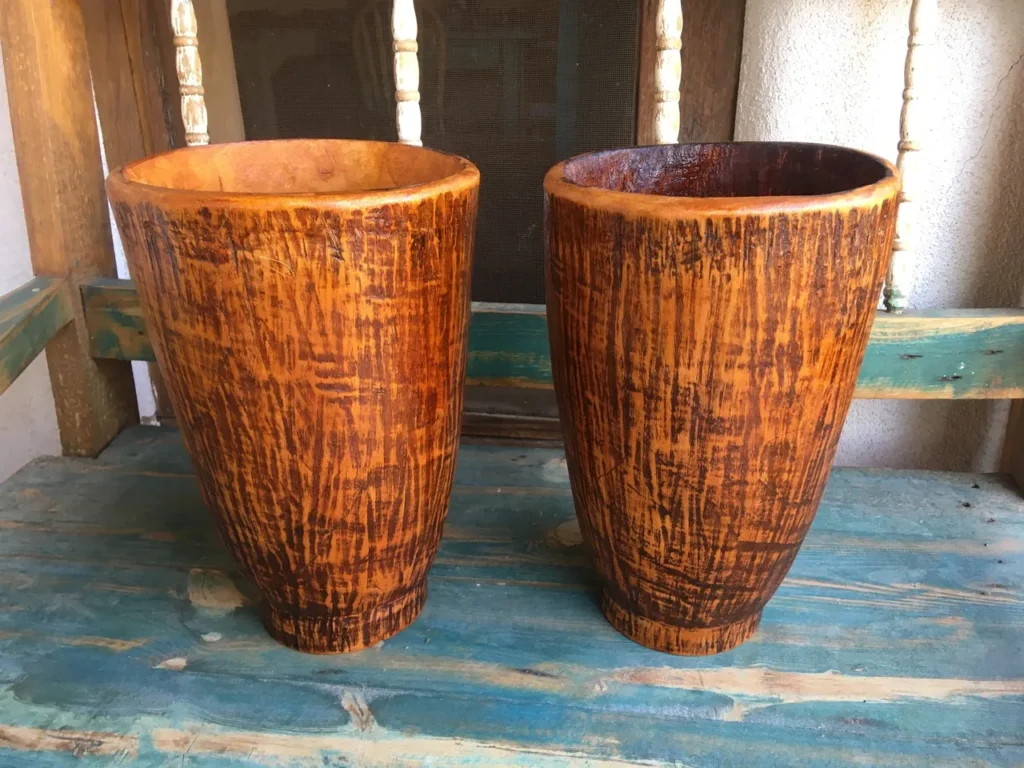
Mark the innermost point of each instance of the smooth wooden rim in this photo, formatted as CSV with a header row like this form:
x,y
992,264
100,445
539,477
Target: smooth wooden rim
x,y
119,185
632,204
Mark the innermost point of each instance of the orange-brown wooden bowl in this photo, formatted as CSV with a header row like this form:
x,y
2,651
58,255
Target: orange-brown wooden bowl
x,y
708,309
308,303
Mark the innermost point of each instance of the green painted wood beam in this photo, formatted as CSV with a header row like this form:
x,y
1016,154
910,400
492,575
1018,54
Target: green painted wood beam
x,y
941,355
30,316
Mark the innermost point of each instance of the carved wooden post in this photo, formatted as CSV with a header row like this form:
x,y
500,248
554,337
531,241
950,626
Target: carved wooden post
x,y
407,72
668,70
190,72
899,282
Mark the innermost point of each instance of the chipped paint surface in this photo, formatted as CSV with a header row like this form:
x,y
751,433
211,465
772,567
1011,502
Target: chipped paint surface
x,y
213,591
76,743
176,664
794,687
383,750
896,640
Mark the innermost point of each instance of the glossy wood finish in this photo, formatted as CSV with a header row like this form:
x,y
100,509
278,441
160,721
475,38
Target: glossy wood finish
x,y
309,302
56,143
128,635
708,307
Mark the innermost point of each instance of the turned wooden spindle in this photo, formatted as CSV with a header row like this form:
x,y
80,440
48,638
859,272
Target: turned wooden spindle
x,y
668,70
407,73
190,72
899,281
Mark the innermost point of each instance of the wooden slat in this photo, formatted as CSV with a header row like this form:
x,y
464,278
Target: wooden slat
x,y
57,146
151,51
712,46
893,642
127,131
220,80
943,355
30,316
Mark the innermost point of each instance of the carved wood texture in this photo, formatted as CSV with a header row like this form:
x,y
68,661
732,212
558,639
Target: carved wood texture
x,y
924,16
407,73
705,353
190,72
315,353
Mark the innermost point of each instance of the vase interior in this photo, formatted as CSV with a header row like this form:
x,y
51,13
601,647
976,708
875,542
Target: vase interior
x,y
295,167
728,170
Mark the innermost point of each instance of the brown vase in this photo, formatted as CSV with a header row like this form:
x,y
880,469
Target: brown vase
x,y
708,309
308,303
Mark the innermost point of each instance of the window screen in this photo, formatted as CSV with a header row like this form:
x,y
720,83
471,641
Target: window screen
x,y
514,85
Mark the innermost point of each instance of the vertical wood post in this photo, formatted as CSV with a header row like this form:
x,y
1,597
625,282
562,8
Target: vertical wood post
x,y
407,72
924,15
190,72
660,73
58,153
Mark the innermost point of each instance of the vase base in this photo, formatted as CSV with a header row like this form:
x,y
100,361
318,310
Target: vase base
x,y
344,633
682,641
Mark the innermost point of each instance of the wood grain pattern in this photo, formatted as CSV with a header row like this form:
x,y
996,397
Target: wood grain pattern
x,y
30,316
709,307
220,78
712,44
125,128
61,176
309,303
894,641
152,53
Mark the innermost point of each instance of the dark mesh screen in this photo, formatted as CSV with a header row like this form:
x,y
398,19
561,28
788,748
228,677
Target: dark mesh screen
x,y
514,85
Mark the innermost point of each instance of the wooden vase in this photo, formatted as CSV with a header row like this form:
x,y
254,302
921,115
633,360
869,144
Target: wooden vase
x,y
308,303
708,309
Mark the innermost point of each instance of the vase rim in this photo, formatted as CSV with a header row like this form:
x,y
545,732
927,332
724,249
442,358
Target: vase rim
x,y
414,173
879,180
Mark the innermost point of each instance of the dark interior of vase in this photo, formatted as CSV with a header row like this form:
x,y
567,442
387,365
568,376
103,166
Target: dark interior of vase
x,y
727,170
295,167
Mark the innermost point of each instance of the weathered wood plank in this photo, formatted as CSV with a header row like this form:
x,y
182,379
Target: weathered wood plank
x,y
942,355
30,316
712,45
126,630
57,147
113,315
126,128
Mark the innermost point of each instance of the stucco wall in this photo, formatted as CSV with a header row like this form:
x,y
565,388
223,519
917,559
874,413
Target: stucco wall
x,y
832,71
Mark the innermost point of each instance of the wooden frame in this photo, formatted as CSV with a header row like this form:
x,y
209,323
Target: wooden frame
x,y
958,354
59,167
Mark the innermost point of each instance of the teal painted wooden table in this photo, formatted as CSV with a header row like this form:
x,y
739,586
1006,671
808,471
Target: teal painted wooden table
x,y
127,636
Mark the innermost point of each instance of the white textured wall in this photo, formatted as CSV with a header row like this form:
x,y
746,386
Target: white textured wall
x,y
832,71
